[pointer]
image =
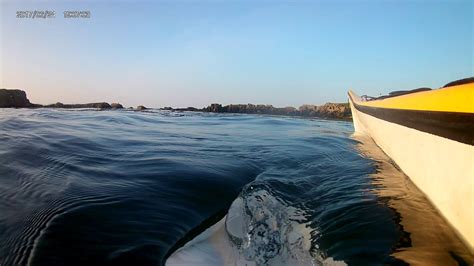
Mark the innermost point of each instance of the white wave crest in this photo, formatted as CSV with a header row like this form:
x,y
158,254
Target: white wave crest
x,y
259,229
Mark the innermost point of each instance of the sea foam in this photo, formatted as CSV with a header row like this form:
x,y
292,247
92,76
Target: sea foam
x,y
259,229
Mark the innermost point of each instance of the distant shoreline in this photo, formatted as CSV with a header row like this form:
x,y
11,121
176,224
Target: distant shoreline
x,y
339,111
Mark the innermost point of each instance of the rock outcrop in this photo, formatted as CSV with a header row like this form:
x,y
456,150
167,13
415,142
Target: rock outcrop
x,y
116,106
328,110
14,99
18,99
250,109
190,109
101,105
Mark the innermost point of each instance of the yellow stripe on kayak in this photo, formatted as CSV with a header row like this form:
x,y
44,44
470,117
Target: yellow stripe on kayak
x,y
452,99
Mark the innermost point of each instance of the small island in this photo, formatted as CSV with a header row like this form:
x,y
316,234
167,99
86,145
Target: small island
x,y
329,110
18,99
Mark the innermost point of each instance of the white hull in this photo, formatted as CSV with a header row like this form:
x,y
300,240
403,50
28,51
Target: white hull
x,y
442,168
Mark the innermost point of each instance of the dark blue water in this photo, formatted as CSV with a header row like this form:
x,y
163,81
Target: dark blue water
x,y
125,188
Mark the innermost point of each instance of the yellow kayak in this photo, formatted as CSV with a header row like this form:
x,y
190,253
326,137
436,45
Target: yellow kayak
x,y
429,134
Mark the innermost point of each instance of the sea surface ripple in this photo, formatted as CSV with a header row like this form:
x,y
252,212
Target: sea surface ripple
x,y
83,187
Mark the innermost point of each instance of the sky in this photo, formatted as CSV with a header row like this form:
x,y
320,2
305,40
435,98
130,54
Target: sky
x,y
193,53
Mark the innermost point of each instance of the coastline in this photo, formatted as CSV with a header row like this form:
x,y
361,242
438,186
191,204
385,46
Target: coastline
x,y
13,98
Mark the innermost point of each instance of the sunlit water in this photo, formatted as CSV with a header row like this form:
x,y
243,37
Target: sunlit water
x,y
83,187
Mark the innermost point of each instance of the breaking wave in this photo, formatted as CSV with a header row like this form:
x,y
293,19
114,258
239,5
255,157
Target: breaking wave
x,y
267,231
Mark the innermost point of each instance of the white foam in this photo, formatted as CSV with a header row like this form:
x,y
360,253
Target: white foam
x,y
211,247
258,230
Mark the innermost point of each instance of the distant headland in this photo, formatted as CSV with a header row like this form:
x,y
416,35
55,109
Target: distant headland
x,y
17,99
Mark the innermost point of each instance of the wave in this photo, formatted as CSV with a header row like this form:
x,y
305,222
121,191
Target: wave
x,y
126,187
259,229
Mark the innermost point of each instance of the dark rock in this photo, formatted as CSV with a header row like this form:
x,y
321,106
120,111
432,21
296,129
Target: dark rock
x,y
167,108
328,110
308,110
214,108
13,98
189,109
242,108
55,105
18,99
102,105
291,111
116,106
334,110
99,105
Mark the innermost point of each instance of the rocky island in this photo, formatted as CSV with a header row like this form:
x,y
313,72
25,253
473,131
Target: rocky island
x,y
101,105
18,99
14,98
329,110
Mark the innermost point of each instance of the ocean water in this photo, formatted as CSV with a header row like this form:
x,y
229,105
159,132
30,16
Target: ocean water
x,y
85,187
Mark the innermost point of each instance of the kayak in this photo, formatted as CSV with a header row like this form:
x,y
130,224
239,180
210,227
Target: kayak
x,y
429,134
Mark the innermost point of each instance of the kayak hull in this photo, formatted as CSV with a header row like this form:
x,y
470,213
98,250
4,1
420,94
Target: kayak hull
x,y
433,148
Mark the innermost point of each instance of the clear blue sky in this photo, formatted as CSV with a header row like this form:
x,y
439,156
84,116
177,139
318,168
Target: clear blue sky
x,y
191,53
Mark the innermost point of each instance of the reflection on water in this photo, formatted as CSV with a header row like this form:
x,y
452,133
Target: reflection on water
x,y
269,225
428,237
